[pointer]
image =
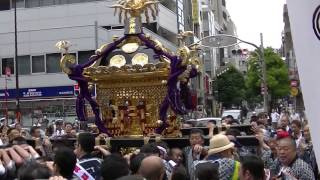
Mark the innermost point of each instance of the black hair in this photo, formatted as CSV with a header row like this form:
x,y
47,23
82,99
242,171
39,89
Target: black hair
x,y
49,130
233,132
114,166
150,148
135,162
10,129
33,170
66,160
65,124
163,144
297,123
207,171
60,123
86,141
213,121
262,115
33,129
253,119
179,173
231,117
19,140
254,165
197,131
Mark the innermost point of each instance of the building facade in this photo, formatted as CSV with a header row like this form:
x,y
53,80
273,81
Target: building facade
x,y
87,24
296,99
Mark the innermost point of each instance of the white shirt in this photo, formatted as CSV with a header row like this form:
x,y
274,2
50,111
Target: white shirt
x,y
58,133
275,117
299,140
295,116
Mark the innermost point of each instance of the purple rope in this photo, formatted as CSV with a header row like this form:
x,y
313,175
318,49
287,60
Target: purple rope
x,y
76,75
173,97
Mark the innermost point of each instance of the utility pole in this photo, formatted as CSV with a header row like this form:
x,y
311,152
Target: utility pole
x,y
264,76
18,114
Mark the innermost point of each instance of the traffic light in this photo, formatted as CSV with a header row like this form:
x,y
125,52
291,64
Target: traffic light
x,y
240,52
76,89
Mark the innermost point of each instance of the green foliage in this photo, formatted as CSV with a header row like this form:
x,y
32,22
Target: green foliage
x,y
229,88
277,76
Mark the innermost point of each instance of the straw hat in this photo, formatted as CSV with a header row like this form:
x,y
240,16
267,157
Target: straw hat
x,y
219,143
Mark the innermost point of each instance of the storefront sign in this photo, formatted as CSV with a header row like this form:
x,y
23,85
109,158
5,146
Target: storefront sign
x,y
58,91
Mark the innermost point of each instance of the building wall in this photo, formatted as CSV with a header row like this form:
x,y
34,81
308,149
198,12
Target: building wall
x,y
40,28
290,58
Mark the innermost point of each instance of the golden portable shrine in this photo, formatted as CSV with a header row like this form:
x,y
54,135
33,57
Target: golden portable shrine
x,y
142,87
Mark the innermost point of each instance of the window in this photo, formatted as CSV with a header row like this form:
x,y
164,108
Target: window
x,y
7,62
224,3
224,14
53,63
48,2
4,5
32,3
83,56
38,64
20,3
24,65
205,16
196,30
75,1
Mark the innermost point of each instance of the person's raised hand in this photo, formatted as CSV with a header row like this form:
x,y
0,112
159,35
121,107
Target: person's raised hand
x,y
211,125
15,156
49,164
197,149
101,148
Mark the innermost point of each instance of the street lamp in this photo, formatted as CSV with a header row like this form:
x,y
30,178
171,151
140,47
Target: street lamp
x,y
18,113
225,40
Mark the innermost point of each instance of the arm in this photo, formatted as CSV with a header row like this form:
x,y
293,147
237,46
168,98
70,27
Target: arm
x,y
15,157
110,48
143,38
23,153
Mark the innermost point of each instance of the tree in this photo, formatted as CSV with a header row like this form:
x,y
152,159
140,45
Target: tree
x,y
277,77
229,87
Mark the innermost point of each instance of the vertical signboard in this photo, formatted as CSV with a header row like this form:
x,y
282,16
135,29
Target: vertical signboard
x,y
195,11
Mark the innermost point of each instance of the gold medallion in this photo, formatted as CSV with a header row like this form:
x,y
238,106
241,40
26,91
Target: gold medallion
x,y
140,59
118,61
130,47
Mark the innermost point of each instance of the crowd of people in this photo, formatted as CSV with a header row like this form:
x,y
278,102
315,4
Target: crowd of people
x,y
61,151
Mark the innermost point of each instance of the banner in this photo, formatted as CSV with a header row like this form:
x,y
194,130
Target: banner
x,y
195,11
304,19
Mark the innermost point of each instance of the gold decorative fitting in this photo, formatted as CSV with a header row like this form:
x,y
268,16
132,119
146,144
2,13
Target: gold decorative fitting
x,y
65,60
130,47
140,59
135,8
63,45
130,95
117,61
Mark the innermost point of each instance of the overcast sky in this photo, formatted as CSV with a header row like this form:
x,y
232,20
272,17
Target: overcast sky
x,y
254,16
